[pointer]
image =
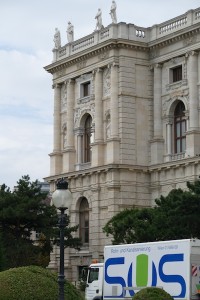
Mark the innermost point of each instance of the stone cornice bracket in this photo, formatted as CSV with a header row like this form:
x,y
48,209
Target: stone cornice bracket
x,y
96,71
56,85
192,53
69,81
158,66
151,67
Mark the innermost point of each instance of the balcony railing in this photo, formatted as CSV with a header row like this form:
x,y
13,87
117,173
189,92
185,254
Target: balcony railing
x,y
129,32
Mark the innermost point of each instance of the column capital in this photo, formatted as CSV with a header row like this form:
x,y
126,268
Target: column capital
x,y
191,53
70,81
56,86
158,66
98,70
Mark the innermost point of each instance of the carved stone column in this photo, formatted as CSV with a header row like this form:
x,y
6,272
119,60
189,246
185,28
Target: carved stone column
x,y
57,118
97,146
70,114
69,153
157,143
113,143
157,108
193,90
56,156
169,138
193,132
79,146
98,106
114,105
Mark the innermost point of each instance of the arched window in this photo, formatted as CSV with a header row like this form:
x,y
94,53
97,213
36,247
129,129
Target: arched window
x,y
84,221
179,128
87,139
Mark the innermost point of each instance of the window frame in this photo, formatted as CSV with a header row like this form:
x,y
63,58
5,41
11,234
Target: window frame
x,y
84,221
176,74
179,128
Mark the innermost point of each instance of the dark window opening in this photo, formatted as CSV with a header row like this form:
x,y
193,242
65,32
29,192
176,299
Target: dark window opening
x,y
177,74
180,128
84,221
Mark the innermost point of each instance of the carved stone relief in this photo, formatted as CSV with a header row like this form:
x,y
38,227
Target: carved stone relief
x,y
64,97
103,55
106,82
64,132
81,110
190,40
176,95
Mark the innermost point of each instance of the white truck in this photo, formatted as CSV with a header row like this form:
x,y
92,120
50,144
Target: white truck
x,y
171,265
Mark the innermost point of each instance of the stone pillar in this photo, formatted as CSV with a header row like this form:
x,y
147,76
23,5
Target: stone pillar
x,y
157,144
56,157
79,146
193,133
114,105
97,146
57,118
70,114
113,143
169,138
98,106
69,152
193,90
157,108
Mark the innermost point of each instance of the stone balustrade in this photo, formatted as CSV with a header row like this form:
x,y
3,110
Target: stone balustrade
x,y
129,32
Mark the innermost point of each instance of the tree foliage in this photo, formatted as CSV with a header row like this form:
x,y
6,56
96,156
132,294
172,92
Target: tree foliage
x,y
22,212
152,293
33,283
175,216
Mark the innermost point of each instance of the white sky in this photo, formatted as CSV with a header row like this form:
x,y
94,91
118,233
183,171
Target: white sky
x,y
26,97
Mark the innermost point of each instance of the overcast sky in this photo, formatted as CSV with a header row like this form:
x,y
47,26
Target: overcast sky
x,y
26,42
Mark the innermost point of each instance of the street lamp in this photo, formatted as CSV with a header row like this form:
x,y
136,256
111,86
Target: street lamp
x,y
62,199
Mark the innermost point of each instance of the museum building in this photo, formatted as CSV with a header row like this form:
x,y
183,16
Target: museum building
x,y
126,123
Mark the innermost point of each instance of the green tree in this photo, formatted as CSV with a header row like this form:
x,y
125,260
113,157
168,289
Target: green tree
x,y
22,212
34,283
175,216
131,226
152,293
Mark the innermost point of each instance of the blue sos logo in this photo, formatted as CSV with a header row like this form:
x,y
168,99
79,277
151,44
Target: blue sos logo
x,y
142,273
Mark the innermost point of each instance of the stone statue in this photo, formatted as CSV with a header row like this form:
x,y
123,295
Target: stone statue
x,y
70,32
99,20
113,12
57,39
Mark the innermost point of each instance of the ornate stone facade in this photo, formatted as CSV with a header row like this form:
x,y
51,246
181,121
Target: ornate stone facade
x,y
126,122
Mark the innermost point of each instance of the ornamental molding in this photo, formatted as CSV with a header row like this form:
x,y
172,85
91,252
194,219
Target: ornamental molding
x,y
100,53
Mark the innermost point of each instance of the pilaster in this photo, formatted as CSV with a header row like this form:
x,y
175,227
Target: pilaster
x,y
157,143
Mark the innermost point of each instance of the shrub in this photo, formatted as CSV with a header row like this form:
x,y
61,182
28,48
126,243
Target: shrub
x,y
33,283
152,293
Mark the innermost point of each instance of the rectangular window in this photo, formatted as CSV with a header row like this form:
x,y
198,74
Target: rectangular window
x,y
85,89
177,74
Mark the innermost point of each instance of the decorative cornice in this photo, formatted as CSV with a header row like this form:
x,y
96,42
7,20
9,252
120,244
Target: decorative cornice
x,y
80,60
169,39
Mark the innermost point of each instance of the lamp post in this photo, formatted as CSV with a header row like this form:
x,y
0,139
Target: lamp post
x,y
62,199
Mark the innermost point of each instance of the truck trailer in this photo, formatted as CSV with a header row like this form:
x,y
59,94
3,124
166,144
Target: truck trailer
x,y
170,265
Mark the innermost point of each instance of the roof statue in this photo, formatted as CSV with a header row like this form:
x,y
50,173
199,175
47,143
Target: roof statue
x,y
113,12
70,32
99,20
57,39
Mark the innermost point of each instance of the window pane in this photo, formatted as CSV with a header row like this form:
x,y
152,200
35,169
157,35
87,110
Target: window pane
x,y
183,144
183,127
178,148
177,73
178,131
93,275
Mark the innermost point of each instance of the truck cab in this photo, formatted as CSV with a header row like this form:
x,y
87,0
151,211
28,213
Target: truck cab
x,y
94,284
